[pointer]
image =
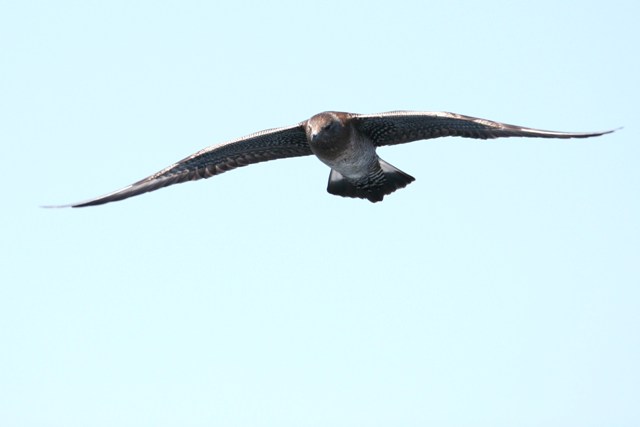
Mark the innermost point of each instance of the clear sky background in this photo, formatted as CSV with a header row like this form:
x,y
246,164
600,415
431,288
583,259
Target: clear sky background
x,y
499,289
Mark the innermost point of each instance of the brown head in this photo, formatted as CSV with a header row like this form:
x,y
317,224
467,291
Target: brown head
x,y
328,132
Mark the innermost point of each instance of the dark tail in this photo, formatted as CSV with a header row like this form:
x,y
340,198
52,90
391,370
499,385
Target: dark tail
x,y
385,181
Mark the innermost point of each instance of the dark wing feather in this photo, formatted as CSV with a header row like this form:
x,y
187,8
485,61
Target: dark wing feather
x,y
398,127
258,147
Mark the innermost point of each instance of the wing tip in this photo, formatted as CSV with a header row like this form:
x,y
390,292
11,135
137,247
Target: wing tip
x,y
605,132
71,205
567,135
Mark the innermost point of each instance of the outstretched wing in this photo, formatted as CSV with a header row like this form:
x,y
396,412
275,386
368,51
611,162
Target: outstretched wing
x,y
258,147
397,127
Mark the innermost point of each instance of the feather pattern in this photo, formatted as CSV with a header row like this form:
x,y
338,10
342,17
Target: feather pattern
x,y
258,147
398,127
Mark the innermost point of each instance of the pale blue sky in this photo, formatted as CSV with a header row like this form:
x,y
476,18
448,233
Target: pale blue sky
x,y
499,289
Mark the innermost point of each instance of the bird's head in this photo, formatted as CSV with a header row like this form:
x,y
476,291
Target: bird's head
x,y
327,126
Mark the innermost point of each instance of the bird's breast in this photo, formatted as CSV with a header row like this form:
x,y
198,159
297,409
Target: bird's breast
x,y
351,156
327,147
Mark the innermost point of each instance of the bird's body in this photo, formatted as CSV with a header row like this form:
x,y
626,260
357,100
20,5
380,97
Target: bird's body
x,y
356,169
345,142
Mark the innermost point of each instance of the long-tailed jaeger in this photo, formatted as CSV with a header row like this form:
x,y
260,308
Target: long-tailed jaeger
x,y
346,142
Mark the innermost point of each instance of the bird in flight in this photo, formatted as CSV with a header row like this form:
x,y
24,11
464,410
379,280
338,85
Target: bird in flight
x,y
346,142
